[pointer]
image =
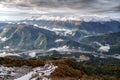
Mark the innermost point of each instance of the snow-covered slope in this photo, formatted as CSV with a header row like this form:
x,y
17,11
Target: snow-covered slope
x,y
39,73
4,54
86,18
6,71
10,73
105,48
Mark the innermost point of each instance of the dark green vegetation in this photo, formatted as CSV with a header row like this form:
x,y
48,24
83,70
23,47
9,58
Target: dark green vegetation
x,y
113,39
22,36
27,36
97,28
69,69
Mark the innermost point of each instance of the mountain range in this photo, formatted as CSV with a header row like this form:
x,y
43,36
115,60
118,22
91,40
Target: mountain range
x,y
47,34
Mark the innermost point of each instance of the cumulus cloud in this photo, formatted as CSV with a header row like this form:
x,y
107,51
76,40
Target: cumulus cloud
x,y
65,6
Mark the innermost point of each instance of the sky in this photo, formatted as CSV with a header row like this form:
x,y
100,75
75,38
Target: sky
x,y
21,9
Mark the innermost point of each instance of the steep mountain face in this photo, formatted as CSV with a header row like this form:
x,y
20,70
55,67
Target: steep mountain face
x,y
23,36
96,28
78,29
113,39
42,34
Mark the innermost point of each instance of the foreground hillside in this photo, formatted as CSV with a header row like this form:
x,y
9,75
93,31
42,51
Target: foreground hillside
x,y
69,69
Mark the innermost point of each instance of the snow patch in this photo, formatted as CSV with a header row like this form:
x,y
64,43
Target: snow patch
x,y
3,39
98,43
59,40
41,42
35,25
63,48
117,56
24,22
32,54
4,54
39,72
45,27
6,47
105,48
6,71
58,30
10,23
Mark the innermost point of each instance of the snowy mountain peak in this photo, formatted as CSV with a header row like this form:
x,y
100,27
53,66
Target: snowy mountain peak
x,y
73,18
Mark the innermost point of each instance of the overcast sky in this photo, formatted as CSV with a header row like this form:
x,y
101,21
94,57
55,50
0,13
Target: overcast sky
x,y
12,9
